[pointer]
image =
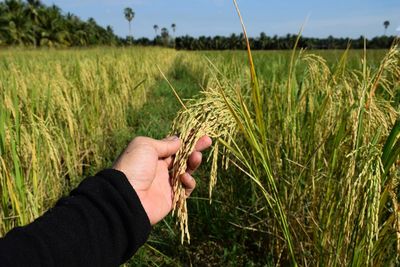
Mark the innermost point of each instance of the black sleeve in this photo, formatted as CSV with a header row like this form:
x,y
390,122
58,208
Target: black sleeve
x,y
101,223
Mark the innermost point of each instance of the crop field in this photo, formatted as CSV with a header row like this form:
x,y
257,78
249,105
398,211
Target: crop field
x,y
305,154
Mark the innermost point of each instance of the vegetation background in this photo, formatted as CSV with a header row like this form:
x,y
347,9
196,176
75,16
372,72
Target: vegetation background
x,y
325,147
31,23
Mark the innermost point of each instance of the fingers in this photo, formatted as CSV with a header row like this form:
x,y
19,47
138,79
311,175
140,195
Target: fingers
x,y
169,161
165,148
195,158
189,183
203,143
194,161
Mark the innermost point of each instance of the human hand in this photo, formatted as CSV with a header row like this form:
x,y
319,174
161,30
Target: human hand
x,y
146,161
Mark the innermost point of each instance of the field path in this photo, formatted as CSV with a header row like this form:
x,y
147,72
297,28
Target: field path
x,y
155,117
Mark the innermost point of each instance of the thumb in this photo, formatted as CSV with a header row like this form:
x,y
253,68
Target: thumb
x,y
167,147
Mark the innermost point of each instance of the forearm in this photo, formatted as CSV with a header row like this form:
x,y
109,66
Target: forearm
x,y
101,223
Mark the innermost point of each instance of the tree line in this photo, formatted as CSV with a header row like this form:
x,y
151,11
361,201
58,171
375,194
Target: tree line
x,y
264,42
31,23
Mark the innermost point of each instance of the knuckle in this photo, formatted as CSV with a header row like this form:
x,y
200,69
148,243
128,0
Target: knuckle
x,y
139,140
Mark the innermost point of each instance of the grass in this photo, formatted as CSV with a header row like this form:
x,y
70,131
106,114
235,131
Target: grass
x,y
330,159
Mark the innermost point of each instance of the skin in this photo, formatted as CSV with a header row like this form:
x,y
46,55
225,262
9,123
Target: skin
x,y
146,163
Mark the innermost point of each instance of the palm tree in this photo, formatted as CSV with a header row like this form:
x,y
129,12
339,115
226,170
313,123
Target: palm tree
x,y
173,26
32,9
129,15
16,28
53,33
30,22
165,36
386,24
155,27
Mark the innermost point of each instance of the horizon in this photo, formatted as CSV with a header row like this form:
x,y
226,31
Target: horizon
x,y
340,19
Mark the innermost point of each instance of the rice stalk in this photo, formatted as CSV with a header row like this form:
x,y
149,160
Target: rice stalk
x,y
209,116
59,112
327,174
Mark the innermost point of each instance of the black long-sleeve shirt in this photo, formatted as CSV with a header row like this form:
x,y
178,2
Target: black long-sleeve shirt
x,y
101,223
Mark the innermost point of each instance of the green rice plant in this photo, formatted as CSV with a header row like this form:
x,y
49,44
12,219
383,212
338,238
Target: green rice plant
x,y
323,161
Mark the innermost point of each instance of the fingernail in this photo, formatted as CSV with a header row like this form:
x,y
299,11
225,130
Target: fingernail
x,y
172,138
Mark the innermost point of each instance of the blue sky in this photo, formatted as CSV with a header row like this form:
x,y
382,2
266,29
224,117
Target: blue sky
x,y
340,18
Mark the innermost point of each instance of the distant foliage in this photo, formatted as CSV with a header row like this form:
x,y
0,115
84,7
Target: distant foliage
x,y
264,42
32,23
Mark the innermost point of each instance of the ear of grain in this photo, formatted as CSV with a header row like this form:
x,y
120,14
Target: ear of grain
x,y
205,115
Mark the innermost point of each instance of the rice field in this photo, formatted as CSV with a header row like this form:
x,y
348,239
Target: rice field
x,y
61,114
304,168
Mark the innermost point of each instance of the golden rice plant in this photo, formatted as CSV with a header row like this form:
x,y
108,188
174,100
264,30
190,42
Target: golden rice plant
x,y
59,113
208,115
321,146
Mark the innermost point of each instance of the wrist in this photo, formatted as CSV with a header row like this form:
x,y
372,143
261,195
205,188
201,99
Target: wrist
x,y
146,204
